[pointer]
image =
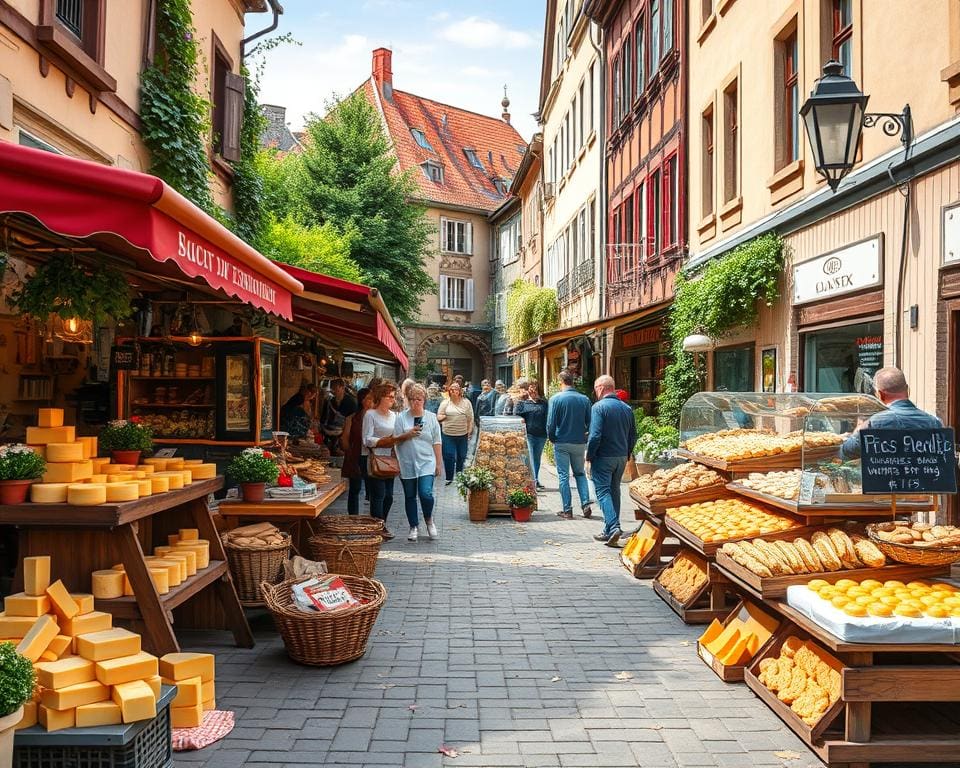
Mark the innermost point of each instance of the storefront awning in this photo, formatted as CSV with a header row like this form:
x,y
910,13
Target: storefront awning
x,y
82,199
351,313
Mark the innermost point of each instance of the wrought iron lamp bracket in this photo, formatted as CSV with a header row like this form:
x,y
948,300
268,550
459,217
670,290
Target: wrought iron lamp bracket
x,y
892,124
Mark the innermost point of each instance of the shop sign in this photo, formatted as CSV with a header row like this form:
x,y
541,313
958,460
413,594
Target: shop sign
x,y
640,337
908,460
848,270
124,358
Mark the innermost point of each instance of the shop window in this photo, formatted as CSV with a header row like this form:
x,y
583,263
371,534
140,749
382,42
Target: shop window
x,y
844,358
456,293
641,56
228,94
456,236
627,76
786,95
733,369
617,86
706,163
842,47
731,130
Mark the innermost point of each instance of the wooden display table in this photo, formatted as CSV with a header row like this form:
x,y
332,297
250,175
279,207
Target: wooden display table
x,y
81,540
664,549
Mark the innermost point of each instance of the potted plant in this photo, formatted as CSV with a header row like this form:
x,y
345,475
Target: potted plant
x,y
20,465
521,503
654,441
17,681
125,440
252,469
474,485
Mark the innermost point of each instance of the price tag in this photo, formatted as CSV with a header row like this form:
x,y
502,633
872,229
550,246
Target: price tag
x,y
808,481
908,460
165,453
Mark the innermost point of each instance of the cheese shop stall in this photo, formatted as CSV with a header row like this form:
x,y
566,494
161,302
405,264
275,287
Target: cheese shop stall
x,y
840,612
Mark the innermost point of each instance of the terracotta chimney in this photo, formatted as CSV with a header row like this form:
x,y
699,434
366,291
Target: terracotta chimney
x,y
383,71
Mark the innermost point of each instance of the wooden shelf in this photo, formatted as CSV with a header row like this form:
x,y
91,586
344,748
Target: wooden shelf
x,y
866,509
710,548
127,608
172,405
172,378
660,506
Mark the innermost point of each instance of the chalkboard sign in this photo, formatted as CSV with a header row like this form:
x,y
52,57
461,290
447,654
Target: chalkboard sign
x,y
124,358
908,460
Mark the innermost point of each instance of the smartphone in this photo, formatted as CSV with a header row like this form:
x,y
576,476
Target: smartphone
x,y
417,422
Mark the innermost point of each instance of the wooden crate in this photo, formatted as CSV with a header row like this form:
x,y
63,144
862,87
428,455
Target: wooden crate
x,y
710,548
711,601
733,673
660,506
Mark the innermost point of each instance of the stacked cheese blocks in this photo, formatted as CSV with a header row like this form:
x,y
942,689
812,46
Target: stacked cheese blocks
x,y
192,673
738,641
76,476
169,566
639,545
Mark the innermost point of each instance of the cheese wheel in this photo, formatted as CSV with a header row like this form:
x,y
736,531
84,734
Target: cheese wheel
x,y
160,464
192,462
146,487
117,469
202,550
175,479
99,479
161,579
50,417
49,493
172,567
189,556
89,446
159,484
107,585
203,471
122,492
64,452
86,494
122,477
138,475
174,464
99,464
147,468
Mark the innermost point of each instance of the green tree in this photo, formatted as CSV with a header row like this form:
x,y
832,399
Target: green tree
x,y
353,181
318,248
284,185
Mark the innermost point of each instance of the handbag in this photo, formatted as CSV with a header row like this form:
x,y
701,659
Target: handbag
x,y
383,467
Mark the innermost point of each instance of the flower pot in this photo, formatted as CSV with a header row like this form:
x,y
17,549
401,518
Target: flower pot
x,y
14,492
253,492
126,457
7,725
521,514
478,504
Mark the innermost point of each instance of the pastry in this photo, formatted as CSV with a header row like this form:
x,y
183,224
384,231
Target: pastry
x,y
793,557
868,552
808,554
844,548
825,551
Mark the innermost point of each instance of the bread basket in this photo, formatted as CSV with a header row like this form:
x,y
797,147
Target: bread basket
x,y
913,554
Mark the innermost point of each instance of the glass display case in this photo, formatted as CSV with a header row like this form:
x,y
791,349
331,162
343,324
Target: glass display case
x,y
502,448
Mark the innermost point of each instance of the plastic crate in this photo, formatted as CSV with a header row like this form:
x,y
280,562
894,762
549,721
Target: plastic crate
x,y
146,744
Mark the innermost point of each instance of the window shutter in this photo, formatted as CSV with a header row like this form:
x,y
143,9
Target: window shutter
x,y
468,237
443,292
233,96
667,226
469,306
443,234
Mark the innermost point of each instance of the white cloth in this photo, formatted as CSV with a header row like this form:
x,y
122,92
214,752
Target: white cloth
x,y
376,426
416,456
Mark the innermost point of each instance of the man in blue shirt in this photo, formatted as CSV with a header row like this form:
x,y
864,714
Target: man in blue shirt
x,y
568,421
892,390
613,434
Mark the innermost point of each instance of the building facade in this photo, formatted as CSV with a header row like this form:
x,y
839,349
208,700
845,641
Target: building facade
x,y
463,164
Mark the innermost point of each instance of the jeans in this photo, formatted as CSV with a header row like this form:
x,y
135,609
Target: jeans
x,y
353,490
570,456
607,473
535,447
414,488
381,496
454,453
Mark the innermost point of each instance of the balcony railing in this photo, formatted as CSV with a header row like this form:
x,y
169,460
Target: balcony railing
x,y
625,266
579,280
563,288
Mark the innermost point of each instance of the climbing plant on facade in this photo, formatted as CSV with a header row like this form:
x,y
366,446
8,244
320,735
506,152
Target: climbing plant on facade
x,y
248,185
725,296
530,311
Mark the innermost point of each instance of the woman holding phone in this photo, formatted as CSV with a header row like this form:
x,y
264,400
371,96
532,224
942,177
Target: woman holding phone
x,y
419,460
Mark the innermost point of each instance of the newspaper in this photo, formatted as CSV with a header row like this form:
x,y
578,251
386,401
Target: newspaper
x,y
326,594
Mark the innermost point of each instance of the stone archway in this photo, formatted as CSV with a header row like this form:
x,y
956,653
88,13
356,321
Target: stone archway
x,y
475,340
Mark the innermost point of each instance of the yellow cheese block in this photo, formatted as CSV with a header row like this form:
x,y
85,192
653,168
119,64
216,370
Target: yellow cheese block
x,y
97,479
64,673
62,452
127,586
192,462
189,534
36,576
181,666
173,539
187,717
730,644
174,464
189,691
144,488
159,484
187,556
117,469
99,464
203,471
40,450
207,691
30,717
74,695
154,682
60,646
138,475
48,493
63,605
209,705
161,579
100,713
84,624
88,495
47,656
47,435
72,472
84,601
187,476
38,637
22,604
121,477
717,644
147,469
50,417
15,627
123,669
711,633
53,720
202,551
107,585
89,446
173,568
108,644
736,655
174,478
136,701
159,464
119,492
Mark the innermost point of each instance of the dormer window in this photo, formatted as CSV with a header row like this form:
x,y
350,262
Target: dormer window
x,y
421,138
502,185
433,171
473,159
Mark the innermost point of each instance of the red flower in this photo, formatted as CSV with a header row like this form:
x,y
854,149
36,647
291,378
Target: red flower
x,y
136,419
267,455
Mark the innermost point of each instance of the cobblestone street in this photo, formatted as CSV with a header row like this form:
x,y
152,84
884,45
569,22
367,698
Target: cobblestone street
x,y
516,645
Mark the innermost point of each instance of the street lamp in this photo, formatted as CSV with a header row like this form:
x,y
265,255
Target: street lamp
x,y
835,115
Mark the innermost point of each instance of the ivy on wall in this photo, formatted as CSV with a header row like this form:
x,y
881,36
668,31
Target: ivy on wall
x,y
530,311
724,297
248,186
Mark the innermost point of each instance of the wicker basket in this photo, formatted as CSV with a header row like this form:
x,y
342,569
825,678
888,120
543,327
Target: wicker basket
x,y
339,525
911,554
478,503
355,555
325,639
250,567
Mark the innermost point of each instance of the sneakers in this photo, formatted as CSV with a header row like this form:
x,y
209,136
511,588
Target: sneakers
x,y
414,533
565,515
587,511
432,530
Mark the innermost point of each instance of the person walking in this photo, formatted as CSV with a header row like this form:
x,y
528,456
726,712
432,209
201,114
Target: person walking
x,y
379,437
502,398
456,421
517,393
419,460
533,411
487,401
433,399
613,434
568,422
354,462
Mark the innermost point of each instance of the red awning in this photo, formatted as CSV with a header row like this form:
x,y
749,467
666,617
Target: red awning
x,y
350,312
78,198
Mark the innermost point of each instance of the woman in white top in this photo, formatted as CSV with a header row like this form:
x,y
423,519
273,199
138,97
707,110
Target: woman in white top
x,y
379,437
419,460
456,417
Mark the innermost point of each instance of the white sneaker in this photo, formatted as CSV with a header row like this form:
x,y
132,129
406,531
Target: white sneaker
x,y
432,530
412,536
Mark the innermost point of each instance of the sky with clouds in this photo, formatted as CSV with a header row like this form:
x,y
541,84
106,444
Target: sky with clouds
x,y
455,51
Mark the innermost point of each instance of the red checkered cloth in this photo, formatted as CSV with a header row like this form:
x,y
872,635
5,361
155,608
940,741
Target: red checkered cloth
x,y
215,726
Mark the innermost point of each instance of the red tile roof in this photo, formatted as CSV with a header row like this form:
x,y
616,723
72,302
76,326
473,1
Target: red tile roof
x,y
450,130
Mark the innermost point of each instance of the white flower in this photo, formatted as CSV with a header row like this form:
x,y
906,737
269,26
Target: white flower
x,y
253,451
